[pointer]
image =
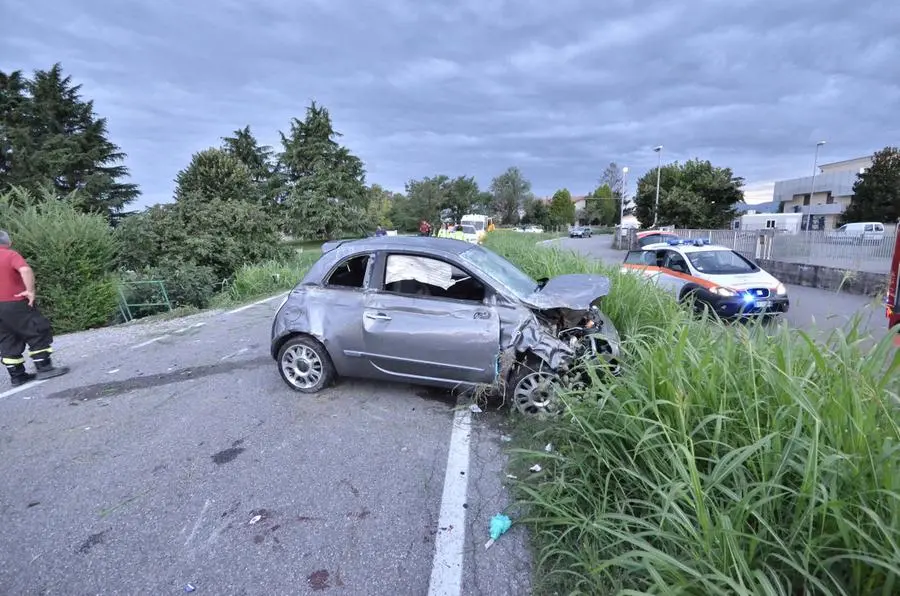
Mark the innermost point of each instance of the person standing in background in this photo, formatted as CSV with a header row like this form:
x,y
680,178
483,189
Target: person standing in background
x,y
21,322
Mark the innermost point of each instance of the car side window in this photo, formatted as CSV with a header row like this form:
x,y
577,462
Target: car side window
x,y
414,275
350,274
637,257
870,228
676,262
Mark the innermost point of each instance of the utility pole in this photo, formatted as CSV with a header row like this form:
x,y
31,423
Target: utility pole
x,y
812,188
658,150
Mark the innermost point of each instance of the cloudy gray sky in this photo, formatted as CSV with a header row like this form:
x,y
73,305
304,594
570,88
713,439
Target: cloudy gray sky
x,y
420,87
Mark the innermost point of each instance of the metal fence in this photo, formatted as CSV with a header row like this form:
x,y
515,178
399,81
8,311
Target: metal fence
x,y
808,248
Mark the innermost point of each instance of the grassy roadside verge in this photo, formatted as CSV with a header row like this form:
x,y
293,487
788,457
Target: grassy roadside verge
x,y
725,461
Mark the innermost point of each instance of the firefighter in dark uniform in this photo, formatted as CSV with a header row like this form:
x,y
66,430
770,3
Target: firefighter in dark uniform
x,y
21,322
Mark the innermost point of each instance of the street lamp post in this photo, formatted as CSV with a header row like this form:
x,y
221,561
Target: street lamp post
x,y
622,198
812,188
658,150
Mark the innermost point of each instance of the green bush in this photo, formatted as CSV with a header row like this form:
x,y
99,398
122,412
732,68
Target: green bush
x,y
220,235
727,460
73,256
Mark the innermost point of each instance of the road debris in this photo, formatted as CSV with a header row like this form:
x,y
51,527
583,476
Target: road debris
x,y
189,588
499,525
535,468
511,476
505,438
475,409
255,519
548,447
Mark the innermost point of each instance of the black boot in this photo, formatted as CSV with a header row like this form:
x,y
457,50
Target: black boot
x,y
46,370
17,375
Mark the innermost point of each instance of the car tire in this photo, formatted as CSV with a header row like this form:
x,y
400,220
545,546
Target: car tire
x,y
304,365
699,307
531,389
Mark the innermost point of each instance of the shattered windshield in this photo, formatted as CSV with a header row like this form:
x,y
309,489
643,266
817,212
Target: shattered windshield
x,y
502,271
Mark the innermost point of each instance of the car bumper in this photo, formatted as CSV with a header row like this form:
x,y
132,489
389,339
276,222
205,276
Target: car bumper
x,y
736,306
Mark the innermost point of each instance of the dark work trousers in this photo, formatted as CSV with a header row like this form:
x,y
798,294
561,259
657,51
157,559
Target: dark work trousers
x,y
21,324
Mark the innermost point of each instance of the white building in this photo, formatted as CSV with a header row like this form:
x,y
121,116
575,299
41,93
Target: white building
x,y
821,206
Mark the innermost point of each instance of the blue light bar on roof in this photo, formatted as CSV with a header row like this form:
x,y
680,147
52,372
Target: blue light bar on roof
x,y
689,242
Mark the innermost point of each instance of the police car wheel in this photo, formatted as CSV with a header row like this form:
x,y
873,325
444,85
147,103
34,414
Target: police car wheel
x,y
699,306
304,365
533,389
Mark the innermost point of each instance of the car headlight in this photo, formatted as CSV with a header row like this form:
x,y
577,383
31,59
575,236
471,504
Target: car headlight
x,y
781,290
723,291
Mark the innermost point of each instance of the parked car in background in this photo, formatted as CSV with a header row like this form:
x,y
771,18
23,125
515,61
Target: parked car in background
x,y
580,232
440,312
870,232
534,229
713,278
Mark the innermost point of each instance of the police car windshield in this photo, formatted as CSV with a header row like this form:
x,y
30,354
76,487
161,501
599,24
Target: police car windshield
x,y
720,262
502,271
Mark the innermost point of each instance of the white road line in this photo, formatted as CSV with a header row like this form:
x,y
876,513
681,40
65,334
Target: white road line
x,y
449,544
176,332
15,390
149,341
257,303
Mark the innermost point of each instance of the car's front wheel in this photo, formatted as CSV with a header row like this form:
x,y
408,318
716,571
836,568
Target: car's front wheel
x,y
305,365
533,389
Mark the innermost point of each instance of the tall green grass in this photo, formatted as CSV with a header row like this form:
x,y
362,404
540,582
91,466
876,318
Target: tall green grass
x,y
270,277
727,460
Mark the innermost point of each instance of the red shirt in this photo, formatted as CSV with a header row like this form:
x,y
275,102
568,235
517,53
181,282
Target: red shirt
x,y
10,279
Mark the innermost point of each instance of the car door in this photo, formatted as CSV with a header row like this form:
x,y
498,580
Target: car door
x,y
676,272
642,262
429,321
340,318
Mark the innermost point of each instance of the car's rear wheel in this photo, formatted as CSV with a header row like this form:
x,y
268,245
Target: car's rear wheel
x,y
533,389
305,365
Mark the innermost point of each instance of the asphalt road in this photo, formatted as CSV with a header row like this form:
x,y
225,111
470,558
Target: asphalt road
x,y
173,454
812,309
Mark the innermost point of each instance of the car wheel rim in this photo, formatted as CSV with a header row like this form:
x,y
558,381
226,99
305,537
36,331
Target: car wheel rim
x,y
302,367
535,393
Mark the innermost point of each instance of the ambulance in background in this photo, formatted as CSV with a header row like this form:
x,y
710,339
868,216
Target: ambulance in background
x,y
479,226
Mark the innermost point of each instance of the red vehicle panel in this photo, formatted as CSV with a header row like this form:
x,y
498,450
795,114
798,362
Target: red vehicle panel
x,y
892,305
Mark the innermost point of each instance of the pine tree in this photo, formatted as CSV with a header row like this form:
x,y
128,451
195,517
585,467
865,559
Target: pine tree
x,y
326,195
51,136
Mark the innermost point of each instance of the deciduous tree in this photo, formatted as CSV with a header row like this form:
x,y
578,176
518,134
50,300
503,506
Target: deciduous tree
x,y
602,206
693,195
216,174
876,192
562,209
510,189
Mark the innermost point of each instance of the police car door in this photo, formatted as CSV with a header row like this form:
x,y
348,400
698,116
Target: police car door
x,y
675,272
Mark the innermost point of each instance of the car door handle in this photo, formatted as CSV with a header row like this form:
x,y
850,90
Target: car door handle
x,y
378,316
481,314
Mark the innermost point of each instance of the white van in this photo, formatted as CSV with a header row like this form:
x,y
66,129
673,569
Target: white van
x,y
869,231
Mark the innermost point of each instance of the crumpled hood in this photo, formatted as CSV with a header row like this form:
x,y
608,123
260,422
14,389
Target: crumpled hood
x,y
575,291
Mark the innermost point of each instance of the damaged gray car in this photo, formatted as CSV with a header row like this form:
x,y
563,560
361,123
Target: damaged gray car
x,y
442,313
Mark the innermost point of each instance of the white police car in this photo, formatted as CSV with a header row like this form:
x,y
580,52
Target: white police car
x,y
716,277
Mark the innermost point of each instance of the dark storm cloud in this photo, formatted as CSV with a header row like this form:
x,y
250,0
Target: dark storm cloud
x,y
421,87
